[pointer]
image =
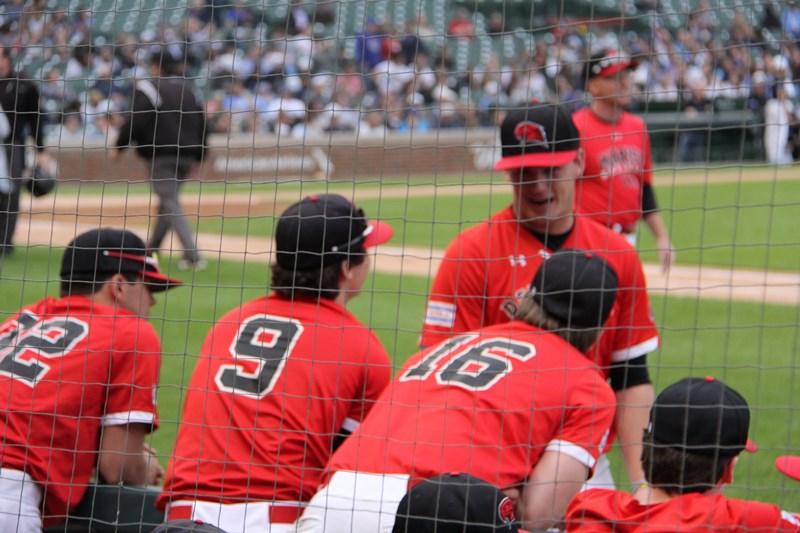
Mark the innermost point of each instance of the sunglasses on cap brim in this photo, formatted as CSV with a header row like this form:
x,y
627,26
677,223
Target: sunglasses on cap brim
x,y
358,239
620,61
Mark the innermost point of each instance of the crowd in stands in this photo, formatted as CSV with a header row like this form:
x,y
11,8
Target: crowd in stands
x,y
295,77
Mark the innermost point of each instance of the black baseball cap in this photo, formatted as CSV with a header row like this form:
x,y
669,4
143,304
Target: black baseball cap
x,y
608,62
320,230
538,135
187,526
576,287
703,416
455,503
112,251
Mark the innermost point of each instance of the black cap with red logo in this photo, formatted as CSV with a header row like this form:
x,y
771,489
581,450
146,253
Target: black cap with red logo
x,y
455,503
538,135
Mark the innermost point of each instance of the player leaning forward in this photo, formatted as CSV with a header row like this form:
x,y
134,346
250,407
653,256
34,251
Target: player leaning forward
x,y
487,267
281,379
516,404
78,378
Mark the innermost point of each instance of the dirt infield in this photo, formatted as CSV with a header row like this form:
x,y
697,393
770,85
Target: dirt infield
x,y
55,220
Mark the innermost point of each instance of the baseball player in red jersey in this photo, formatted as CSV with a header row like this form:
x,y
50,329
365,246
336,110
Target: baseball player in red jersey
x,y
616,187
281,380
487,267
517,405
698,429
78,378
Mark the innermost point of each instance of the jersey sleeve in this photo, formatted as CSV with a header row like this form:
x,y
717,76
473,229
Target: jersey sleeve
x,y
634,329
760,516
377,374
457,297
587,420
647,171
134,377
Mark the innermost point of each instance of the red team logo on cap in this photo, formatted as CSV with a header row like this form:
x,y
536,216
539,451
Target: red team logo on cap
x,y
506,511
531,133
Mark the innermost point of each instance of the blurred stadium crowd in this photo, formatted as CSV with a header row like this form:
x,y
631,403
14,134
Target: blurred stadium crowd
x,y
298,69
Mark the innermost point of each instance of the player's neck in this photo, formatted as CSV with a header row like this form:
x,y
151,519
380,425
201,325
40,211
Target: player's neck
x,y
606,110
652,496
552,236
655,495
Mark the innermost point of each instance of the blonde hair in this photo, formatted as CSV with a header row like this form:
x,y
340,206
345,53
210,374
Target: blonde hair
x,y
531,312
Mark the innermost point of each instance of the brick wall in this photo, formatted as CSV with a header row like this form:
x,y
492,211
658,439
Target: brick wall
x,y
339,157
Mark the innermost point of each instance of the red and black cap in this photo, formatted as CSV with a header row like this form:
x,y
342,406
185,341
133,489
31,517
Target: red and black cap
x,y
608,62
98,253
538,135
702,416
320,230
576,287
789,465
455,503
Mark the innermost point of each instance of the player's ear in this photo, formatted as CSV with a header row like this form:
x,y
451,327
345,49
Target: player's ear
x,y
344,272
117,283
109,293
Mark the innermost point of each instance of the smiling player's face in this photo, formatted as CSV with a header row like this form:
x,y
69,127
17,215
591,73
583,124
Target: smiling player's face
x,y
614,90
544,196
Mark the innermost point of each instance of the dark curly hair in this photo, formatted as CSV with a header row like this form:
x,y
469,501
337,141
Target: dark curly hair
x,y
317,284
676,471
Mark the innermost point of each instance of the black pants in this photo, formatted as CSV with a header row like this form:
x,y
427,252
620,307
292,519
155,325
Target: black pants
x,y
9,202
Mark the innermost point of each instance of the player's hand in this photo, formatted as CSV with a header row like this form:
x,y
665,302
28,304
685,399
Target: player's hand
x,y
155,472
513,493
113,154
666,255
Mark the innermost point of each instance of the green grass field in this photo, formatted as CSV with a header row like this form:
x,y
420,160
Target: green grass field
x,y
741,225
753,347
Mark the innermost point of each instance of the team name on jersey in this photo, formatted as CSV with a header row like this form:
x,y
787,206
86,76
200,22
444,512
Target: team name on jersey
x,y
621,160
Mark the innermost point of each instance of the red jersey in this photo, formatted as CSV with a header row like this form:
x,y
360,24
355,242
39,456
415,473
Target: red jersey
x,y
601,510
275,382
67,368
618,164
485,404
487,268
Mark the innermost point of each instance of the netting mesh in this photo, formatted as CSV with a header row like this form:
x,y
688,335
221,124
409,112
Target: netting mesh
x,y
251,106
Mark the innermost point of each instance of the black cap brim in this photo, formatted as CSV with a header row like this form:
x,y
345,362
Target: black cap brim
x,y
157,282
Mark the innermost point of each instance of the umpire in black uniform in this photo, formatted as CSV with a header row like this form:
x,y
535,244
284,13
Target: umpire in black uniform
x,y
167,122
20,100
